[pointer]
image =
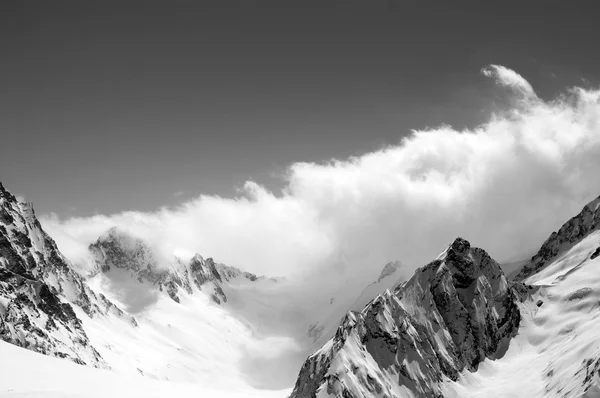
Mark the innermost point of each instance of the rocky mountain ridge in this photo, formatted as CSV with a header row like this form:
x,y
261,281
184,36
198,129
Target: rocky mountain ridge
x,y
117,248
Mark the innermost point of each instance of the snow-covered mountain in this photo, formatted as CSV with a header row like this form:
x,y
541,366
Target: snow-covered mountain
x,y
452,314
133,313
125,252
557,350
459,327
136,312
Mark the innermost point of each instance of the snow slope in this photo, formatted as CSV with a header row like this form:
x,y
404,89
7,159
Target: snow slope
x,y
193,340
26,374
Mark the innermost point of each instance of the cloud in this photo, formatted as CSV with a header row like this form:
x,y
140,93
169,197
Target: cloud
x,y
509,78
505,186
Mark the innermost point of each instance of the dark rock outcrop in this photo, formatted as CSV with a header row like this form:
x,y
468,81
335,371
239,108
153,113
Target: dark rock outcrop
x,y
118,249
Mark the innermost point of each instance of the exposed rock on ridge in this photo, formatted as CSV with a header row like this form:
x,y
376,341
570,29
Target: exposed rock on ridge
x,y
452,314
116,248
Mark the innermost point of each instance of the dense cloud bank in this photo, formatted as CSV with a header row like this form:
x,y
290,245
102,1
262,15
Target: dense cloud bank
x,y
504,186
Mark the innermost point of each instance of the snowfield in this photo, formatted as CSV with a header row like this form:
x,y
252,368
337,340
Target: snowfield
x,y
26,374
194,341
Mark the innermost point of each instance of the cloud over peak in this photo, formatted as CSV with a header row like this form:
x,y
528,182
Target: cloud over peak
x,y
504,185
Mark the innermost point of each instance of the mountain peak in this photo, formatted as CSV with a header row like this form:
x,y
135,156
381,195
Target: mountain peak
x,y
112,232
460,246
460,305
197,258
594,204
118,248
7,195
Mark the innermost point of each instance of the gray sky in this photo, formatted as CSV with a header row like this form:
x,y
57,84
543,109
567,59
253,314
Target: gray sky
x,y
109,107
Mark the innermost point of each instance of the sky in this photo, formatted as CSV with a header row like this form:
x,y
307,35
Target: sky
x,y
111,107
301,139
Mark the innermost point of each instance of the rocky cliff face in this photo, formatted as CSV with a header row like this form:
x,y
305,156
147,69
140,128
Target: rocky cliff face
x,y
38,290
572,232
116,248
452,314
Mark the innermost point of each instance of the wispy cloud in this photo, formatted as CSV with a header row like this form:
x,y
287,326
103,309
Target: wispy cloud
x,y
509,78
504,185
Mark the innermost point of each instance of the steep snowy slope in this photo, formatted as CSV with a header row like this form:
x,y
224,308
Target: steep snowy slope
x,y
193,340
39,291
451,315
